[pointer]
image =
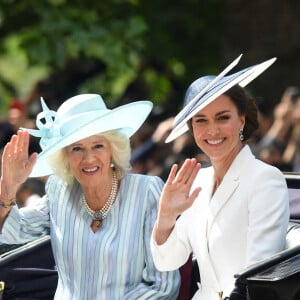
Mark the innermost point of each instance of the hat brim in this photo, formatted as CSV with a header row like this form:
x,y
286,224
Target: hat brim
x,y
223,84
127,118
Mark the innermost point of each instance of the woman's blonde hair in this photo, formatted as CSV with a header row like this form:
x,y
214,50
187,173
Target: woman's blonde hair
x,y
121,151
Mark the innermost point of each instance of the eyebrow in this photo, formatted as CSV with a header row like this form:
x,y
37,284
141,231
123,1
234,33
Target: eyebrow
x,y
217,114
94,142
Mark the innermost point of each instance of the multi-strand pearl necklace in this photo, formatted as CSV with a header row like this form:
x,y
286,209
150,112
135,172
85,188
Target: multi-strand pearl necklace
x,y
101,214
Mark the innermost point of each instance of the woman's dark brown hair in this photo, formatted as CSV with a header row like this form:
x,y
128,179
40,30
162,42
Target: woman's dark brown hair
x,y
246,106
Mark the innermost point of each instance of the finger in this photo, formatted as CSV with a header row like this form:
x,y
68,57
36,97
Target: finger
x,y
23,142
172,174
194,195
183,169
18,142
186,169
8,150
12,145
31,161
193,174
7,158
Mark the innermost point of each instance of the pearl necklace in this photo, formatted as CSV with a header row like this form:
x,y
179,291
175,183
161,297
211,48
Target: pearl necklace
x,y
101,214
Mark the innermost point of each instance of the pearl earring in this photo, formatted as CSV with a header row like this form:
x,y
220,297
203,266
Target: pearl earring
x,y
112,165
241,135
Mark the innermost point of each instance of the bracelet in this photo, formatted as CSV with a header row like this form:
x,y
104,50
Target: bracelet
x,y
11,204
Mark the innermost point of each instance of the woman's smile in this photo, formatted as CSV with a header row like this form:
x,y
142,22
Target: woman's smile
x,y
215,142
90,170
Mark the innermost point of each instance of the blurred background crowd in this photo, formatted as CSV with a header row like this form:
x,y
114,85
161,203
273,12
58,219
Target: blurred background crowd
x,y
276,142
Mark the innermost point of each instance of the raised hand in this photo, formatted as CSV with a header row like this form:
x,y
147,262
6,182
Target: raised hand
x,y
16,163
176,197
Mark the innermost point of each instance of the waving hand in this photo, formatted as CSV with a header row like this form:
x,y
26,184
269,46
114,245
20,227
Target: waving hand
x,y
176,197
16,164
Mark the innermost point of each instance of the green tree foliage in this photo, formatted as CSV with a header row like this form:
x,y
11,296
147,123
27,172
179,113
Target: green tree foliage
x,y
122,49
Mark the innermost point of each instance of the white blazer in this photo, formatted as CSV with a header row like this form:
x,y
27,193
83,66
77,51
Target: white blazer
x,y
244,221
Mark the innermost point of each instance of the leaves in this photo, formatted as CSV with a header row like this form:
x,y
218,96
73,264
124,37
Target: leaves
x,y
157,43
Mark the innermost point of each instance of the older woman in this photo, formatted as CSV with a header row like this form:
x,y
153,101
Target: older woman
x,y
237,211
99,216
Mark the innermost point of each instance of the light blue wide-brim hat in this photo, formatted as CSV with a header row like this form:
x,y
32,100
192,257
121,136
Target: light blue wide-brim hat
x,y
206,89
78,118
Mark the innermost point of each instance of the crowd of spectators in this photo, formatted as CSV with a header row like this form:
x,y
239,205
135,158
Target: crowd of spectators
x,y
279,143
276,142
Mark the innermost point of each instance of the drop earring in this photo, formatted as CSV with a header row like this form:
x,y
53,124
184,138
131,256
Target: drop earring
x,y
241,135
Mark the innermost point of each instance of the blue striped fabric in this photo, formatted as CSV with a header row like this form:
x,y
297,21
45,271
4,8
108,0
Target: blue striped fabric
x,y
113,263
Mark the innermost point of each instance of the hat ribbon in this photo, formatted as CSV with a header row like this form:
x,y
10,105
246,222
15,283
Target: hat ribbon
x,y
48,126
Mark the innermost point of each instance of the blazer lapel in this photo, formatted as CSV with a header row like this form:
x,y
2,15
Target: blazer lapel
x,y
222,195
228,186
